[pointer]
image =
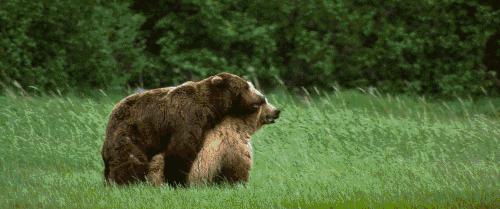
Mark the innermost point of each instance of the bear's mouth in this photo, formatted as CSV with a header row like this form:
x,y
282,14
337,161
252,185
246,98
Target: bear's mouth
x,y
270,119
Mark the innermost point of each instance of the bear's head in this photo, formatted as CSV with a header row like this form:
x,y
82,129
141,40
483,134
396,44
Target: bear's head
x,y
252,122
267,114
241,95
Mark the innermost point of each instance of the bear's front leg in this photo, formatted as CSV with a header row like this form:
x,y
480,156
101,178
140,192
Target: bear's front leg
x,y
236,168
180,155
208,162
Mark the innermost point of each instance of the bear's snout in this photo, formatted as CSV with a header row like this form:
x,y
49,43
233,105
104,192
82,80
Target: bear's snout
x,y
275,114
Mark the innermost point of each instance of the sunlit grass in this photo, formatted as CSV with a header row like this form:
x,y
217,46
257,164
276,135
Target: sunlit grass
x,y
339,150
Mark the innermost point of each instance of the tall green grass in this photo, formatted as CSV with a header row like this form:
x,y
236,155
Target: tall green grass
x,y
338,150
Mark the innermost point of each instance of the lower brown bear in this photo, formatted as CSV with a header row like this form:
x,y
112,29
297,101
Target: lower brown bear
x,y
226,154
172,121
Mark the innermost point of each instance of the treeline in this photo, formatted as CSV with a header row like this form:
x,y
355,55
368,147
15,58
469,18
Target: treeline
x,y
427,47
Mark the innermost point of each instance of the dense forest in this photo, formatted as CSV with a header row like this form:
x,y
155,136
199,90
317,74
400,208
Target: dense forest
x,y
448,47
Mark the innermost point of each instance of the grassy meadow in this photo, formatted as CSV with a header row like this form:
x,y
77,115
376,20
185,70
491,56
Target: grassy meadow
x,y
328,150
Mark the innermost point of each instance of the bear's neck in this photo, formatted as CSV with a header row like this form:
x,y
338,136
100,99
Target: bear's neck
x,y
218,104
249,122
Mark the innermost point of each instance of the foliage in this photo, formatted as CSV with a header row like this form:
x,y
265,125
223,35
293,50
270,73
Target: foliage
x,y
425,47
68,44
419,46
343,150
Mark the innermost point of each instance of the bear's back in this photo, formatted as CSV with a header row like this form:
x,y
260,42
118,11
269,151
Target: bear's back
x,y
133,105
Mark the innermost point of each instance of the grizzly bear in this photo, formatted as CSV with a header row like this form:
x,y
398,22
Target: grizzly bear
x,y
226,154
172,120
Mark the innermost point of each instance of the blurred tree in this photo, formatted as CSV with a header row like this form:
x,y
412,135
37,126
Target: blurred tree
x,y
68,44
426,47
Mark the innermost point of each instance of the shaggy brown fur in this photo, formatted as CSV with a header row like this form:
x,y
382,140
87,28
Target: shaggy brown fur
x,y
172,120
226,153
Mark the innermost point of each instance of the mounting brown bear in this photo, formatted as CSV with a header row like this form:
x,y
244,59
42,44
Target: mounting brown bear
x,y
172,120
226,154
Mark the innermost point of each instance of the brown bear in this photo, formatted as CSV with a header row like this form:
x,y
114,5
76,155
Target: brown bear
x,y
226,154
172,120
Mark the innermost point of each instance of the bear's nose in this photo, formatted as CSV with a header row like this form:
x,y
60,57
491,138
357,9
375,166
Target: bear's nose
x,y
277,113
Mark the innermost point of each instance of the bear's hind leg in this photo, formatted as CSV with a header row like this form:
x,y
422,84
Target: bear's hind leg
x,y
128,164
156,170
127,173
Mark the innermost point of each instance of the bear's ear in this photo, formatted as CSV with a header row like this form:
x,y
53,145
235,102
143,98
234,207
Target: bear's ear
x,y
216,80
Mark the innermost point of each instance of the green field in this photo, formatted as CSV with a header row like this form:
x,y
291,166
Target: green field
x,y
335,150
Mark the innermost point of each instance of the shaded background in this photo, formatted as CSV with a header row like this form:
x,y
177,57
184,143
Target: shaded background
x,y
448,47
